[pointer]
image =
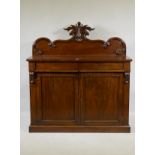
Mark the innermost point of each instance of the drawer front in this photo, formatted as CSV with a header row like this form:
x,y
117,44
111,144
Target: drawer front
x,y
79,67
56,67
100,67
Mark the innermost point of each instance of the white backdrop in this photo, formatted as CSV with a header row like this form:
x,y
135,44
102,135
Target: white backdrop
x,y
47,18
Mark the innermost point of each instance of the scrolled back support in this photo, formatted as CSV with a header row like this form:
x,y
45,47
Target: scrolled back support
x,y
80,45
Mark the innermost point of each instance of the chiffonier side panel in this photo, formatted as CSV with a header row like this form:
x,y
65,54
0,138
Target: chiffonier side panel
x,y
35,100
125,106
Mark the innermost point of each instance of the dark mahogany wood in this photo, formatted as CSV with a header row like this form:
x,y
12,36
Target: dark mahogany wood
x,y
79,85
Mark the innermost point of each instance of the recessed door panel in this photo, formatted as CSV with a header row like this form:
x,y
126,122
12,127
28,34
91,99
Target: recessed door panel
x,y
59,98
101,98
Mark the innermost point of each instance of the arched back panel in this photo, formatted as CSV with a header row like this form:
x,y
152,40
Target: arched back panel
x,y
79,45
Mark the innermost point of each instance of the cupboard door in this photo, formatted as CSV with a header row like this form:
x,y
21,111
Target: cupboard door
x,y
59,98
101,98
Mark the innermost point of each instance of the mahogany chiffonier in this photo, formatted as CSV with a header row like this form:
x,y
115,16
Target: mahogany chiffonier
x,y
79,85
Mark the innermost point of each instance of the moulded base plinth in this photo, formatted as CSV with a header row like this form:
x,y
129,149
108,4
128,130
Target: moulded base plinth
x,y
51,128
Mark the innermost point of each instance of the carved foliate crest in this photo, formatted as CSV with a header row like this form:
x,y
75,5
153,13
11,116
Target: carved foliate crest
x,y
79,44
79,31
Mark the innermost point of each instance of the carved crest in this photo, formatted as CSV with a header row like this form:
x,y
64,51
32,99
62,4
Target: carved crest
x,y
79,44
79,31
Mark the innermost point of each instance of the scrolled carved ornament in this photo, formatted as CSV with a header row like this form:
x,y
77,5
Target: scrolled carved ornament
x,y
80,45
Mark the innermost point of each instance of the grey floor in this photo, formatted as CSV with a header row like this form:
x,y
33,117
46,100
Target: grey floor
x,y
75,143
